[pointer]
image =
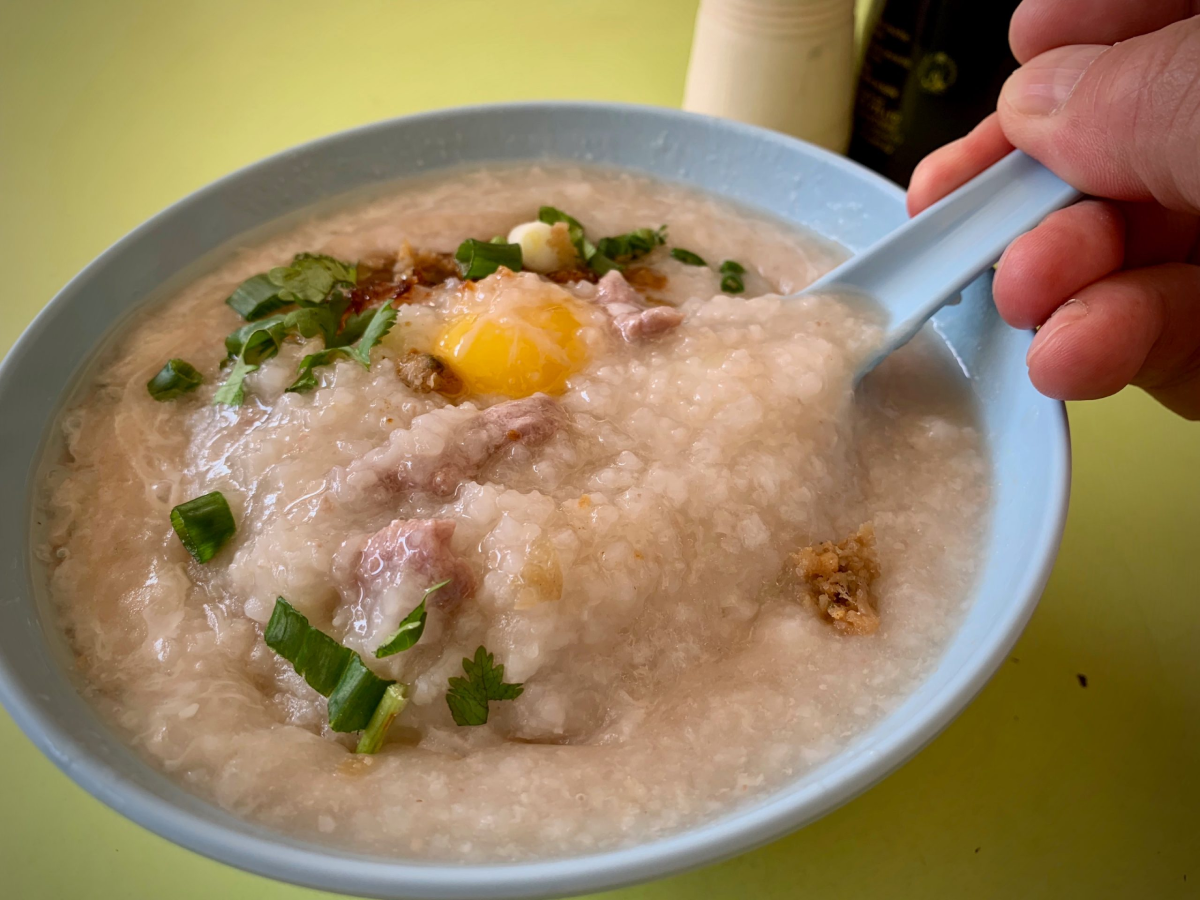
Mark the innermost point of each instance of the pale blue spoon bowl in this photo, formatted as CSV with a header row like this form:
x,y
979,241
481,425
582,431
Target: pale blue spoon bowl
x,y
1026,435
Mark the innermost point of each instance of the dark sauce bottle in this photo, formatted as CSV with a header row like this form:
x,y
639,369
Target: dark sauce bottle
x,y
932,70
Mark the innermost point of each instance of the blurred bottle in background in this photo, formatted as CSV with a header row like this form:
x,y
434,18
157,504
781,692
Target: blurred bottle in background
x,y
931,71
782,64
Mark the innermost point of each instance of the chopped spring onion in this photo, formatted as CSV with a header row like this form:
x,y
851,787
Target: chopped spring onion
x,y
411,628
585,248
380,324
174,379
354,698
594,258
732,284
478,259
354,691
395,698
731,281
687,257
639,242
204,525
468,697
322,661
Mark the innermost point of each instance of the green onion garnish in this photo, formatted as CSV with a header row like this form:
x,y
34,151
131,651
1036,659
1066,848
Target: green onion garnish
x,y
395,698
585,248
174,379
732,282
204,525
354,698
626,247
321,661
478,259
687,257
596,258
354,691
411,628
468,697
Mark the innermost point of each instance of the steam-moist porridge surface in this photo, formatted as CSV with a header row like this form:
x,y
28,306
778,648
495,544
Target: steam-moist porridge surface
x,y
628,566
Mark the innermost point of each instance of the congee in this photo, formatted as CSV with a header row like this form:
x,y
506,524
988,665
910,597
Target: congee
x,y
510,514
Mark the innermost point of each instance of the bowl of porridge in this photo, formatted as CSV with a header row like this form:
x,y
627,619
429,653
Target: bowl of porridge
x,y
466,506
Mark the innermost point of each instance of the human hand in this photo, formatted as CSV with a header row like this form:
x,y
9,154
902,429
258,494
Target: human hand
x,y
1113,282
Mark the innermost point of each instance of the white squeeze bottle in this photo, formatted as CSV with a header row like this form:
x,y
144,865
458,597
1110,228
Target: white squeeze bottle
x,y
783,64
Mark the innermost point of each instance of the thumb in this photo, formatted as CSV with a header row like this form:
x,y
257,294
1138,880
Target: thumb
x,y
1121,121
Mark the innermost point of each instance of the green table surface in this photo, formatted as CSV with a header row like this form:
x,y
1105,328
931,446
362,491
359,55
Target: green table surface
x,y
1043,787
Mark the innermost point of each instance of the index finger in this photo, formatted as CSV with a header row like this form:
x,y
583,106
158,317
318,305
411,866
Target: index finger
x,y
952,166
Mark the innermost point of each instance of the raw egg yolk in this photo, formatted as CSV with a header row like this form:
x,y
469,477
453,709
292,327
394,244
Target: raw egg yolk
x,y
520,345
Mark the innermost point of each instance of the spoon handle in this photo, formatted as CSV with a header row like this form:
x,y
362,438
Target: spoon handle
x,y
913,271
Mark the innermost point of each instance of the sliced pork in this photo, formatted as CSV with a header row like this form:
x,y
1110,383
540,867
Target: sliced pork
x,y
630,315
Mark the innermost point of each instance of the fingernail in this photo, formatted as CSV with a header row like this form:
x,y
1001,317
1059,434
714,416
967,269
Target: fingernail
x,y
1064,317
1043,85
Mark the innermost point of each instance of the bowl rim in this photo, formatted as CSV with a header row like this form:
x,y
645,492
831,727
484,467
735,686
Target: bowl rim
x,y
330,869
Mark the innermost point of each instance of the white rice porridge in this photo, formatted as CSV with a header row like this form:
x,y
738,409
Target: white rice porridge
x,y
618,530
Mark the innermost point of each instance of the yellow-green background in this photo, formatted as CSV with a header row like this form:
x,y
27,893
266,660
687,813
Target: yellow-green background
x,y
110,111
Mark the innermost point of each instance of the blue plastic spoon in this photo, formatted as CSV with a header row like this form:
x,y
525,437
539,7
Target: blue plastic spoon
x,y
923,264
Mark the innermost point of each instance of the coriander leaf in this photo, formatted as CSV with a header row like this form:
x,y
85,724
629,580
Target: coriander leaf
x,y
381,323
235,341
468,697
256,297
256,343
311,277
353,328
687,257
411,628
174,379
324,319
204,525
395,698
468,706
263,343
233,391
306,380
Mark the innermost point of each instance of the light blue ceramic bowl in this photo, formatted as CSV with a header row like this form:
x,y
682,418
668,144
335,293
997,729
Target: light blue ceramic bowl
x,y
1026,434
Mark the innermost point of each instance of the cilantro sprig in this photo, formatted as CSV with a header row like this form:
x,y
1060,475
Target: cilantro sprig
x,y
411,628
309,279
317,286
468,697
